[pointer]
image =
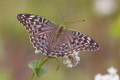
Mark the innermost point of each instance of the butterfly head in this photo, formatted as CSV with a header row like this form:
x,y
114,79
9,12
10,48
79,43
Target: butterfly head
x,y
62,25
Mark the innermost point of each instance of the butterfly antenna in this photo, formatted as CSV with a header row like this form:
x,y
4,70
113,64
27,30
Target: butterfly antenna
x,y
62,17
74,22
57,5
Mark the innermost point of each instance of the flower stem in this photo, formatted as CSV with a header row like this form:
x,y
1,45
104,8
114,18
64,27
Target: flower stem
x,y
38,68
32,76
40,64
57,65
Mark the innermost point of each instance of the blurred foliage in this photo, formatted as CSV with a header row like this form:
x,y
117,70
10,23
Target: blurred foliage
x,y
16,50
39,71
1,49
115,28
5,75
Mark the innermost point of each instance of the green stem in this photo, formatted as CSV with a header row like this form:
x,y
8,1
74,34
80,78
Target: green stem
x,y
57,65
40,64
32,76
38,67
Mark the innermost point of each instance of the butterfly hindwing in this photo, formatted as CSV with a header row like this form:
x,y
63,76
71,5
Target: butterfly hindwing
x,y
60,47
71,41
82,42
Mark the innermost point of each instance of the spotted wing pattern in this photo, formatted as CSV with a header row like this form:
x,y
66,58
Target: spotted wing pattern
x,y
81,42
61,47
41,30
34,23
42,33
73,41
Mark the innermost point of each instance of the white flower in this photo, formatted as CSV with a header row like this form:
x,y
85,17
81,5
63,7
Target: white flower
x,y
77,58
68,61
72,60
112,70
105,7
111,76
75,53
70,65
98,77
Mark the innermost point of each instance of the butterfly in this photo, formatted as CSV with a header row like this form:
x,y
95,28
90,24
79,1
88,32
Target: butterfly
x,y
54,40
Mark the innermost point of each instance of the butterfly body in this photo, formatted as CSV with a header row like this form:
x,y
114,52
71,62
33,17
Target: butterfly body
x,y
53,40
59,31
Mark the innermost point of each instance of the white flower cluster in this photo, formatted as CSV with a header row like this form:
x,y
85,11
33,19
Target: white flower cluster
x,y
112,75
105,7
72,60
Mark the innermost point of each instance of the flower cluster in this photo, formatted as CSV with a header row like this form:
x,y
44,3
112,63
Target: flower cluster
x,y
72,60
112,75
105,7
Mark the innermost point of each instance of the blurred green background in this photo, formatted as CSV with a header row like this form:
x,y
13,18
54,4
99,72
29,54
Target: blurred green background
x,y
102,24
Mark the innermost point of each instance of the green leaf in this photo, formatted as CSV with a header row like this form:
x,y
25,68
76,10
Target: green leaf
x,y
42,71
34,66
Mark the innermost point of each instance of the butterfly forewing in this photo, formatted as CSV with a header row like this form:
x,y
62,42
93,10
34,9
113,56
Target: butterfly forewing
x,y
41,30
34,23
42,42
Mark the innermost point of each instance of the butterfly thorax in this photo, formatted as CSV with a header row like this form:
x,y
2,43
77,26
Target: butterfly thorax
x,y
59,31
